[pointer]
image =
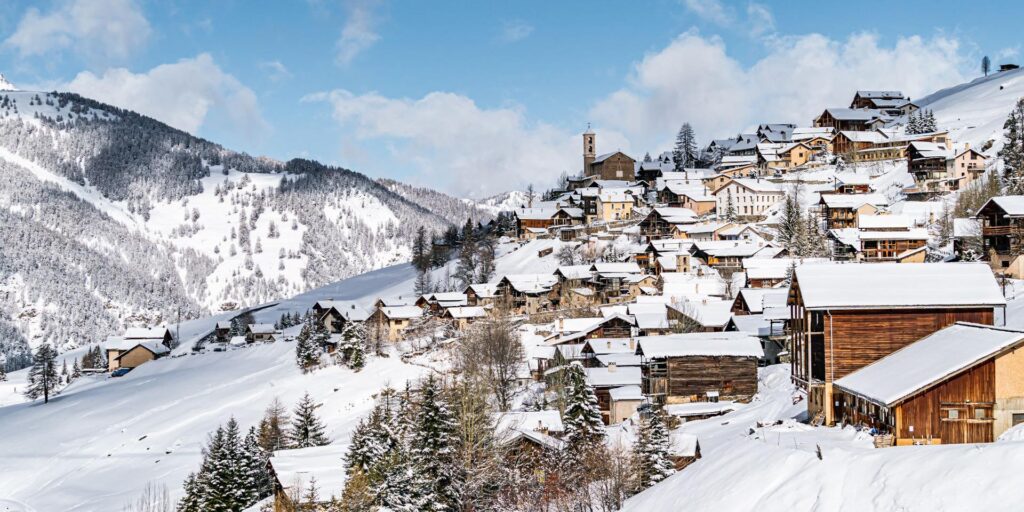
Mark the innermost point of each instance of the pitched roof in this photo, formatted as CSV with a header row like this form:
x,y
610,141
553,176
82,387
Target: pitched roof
x,y
895,285
297,468
928,360
145,333
733,343
1013,206
853,200
262,328
613,377
466,312
153,346
402,312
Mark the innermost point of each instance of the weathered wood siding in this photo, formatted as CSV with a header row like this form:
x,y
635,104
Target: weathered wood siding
x,y
856,338
694,376
927,411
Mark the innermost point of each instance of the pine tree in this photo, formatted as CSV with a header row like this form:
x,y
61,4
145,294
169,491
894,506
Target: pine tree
x,y
582,415
307,429
685,148
730,207
3,372
651,452
353,345
272,435
1012,152
913,124
257,483
43,377
421,250
485,270
307,353
76,372
986,65
467,268
434,448
422,286
193,499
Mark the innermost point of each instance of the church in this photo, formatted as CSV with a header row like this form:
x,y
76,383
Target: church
x,y
609,166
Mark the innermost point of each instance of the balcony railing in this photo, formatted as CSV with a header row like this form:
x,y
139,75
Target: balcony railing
x,y
996,230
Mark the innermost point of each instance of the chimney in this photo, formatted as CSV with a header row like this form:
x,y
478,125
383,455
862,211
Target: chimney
x,y
611,367
609,343
541,428
632,344
561,323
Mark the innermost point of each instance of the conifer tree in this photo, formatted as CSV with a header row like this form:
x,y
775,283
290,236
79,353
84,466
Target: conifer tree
x,y
307,429
485,269
434,448
353,346
257,483
467,268
43,377
3,373
1012,152
651,452
76,372
193,499
730,207
307,353
582,415
272,434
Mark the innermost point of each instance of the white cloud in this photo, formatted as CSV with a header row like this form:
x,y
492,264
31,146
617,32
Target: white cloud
x,y
182,94
760,20
694,79
100,31
276,70
359,32
513,31
711,10
451,143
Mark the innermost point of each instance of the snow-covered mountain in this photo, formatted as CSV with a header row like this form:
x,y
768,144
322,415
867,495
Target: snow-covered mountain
x,y
109,218
975,111
504,202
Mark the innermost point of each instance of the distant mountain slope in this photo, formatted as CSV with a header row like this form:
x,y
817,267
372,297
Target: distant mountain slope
x,y
975,111
437,202
112,218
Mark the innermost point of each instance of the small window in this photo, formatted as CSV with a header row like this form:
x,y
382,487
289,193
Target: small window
x,y
1018,418
953,414
982,413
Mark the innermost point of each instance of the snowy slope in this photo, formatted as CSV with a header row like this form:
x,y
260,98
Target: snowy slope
x,y
776,467
974,112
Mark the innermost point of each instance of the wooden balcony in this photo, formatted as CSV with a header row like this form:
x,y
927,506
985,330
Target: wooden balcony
x,y
996,230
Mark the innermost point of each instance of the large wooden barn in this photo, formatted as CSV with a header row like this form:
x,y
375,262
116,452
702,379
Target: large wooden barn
x,y
680,368
844,317
963,384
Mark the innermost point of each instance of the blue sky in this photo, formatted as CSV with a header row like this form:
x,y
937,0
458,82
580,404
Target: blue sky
x,y
478,97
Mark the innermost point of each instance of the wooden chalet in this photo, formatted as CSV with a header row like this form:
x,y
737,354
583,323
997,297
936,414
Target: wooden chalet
x,y
545,218
482,294
333,315
294,471
462,316
681,368
138,353
848,119
391,322
527,293
872,99
961,384
1002,232
260,332
605,380
844,317
661,222
842,210
943,167
880,238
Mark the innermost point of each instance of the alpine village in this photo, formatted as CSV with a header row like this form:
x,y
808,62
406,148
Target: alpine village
x,y
824,294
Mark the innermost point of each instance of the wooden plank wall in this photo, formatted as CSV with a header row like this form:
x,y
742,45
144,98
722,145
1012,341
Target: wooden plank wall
x,y
861,337
694,376
924,411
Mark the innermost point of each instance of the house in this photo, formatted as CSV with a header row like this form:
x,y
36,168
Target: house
x,y
623,402
843,210
150,337
871,99
461,317
334,314
673,262
705,231
545,218
683,450
689,194
700,315
390,323
612,280
747,197
852,183
606,379
222,331
260,332
880,238
295,471
783,157
844,317
615,204
681,368
961,384
527,293
775,132
161,334
135,353
437,303
849,119
1002,232
482,294
662,220
752,301
599,352
818,139
770,272
725,255
943,167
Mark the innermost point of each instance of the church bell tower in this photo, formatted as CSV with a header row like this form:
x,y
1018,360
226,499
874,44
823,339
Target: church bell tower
x,y
588,149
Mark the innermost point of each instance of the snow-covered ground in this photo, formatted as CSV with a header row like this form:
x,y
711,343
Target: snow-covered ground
x,y
974,112
777,468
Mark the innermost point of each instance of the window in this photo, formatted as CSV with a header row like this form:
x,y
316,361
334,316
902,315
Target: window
x,y
1018,418
982,413
953,414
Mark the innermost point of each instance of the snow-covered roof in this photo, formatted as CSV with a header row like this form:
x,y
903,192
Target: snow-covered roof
x,y
484,290
928,360
757,297
675,214
631,392
682,444
880,94
262,328
616,268
812,132
466,312
531,283
529,420
613,376
619,359
869,222
145,333
698,409
853,200
708,313
910,234
966,228
889,285
297,468
154,346
757,185
1012,206
615,195
223,325
735,344
574,271
728,248
402,312
611,345
605,156
754,325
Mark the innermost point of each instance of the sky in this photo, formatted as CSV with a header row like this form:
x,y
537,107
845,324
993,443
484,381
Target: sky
x,y
476,98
